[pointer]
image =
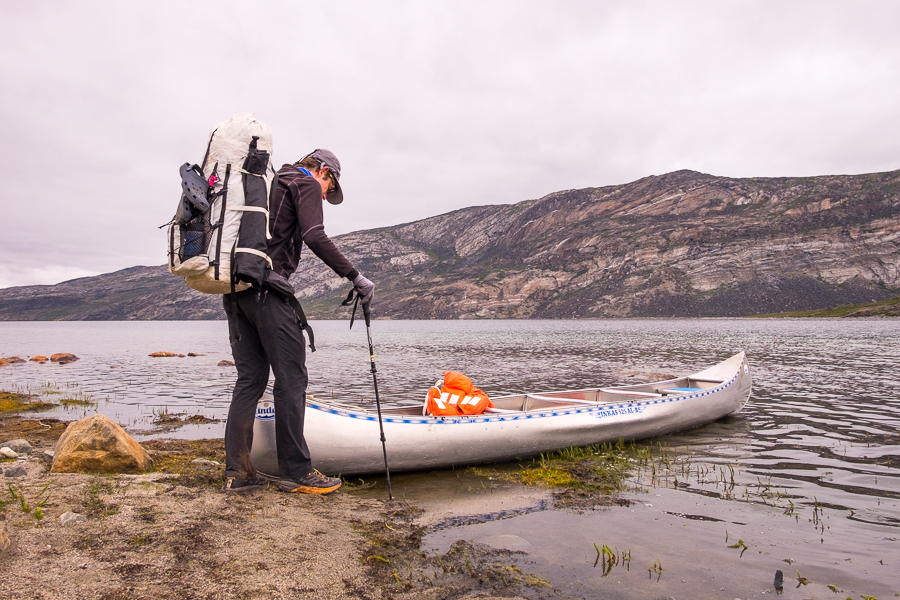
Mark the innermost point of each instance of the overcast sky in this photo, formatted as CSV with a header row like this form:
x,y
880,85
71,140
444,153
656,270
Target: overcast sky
x,y
430,106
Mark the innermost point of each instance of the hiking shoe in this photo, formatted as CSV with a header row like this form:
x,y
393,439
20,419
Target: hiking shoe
x,y
311,483
236,485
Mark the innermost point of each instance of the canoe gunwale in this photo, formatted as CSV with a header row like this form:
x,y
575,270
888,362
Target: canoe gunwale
x,y
513,415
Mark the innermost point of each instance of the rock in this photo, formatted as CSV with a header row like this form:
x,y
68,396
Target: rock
x,y
97,444
18,445
9,453
205,461
4,362
195,354
164,354
200,419
69,517
46,456
225,363
15,471
5,542
63,358
15,359
39,358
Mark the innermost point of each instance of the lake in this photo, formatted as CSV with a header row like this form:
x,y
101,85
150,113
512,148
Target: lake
x,y
815,456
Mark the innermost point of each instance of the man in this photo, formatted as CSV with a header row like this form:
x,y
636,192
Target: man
x,y
265,332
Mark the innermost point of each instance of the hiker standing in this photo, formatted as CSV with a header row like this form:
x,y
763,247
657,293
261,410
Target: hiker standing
x,y
265,332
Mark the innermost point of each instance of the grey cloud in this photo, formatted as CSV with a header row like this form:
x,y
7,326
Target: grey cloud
x,y
431,106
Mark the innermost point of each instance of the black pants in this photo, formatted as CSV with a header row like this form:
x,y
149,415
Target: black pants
x,y
264,332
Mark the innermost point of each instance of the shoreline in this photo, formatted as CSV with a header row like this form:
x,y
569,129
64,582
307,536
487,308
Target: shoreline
x,y
173,533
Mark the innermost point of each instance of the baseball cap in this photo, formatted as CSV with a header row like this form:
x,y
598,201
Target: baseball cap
x,y
328,159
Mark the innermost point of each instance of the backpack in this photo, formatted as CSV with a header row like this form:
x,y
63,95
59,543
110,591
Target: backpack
x,y
217,239
219,235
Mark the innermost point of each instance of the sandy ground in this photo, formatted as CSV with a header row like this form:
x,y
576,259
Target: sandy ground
x,y
174,534
149,536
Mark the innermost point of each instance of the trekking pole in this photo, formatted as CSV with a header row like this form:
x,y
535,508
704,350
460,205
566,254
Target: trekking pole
x,y
368,320
387,471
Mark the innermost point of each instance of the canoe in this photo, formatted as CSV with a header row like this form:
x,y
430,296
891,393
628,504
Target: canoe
x,y
344,439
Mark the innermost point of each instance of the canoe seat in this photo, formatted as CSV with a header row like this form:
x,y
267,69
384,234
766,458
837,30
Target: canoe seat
x,y
559,400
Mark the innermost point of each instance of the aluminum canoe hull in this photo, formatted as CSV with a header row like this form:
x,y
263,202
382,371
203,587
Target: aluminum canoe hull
x,y
345,439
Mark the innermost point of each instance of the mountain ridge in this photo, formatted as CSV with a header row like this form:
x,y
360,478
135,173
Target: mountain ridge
x,y
682,244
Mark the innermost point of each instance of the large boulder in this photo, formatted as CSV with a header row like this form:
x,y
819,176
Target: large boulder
x,y
98,445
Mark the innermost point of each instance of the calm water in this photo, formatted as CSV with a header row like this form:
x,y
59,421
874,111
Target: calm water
x,y
816,454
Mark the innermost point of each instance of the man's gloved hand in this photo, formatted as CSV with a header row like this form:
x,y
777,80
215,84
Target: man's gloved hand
x,y
365,288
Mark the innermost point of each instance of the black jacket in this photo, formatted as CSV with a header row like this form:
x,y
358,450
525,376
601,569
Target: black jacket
x,y
295,215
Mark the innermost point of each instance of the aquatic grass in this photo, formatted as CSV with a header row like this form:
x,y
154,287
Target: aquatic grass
x,y
612,557
655,567
599,468
739,545
548,477
659,465
84,400
18,402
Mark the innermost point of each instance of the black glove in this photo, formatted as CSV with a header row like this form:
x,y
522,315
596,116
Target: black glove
x,y
365,288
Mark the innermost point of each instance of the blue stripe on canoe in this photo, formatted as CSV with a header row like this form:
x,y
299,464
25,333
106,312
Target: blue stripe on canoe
x,y
460,421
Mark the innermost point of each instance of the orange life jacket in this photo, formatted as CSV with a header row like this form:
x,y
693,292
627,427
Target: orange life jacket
x,y
457,396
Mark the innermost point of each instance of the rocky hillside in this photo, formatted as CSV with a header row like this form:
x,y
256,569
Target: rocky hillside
x,y
681,244
135,294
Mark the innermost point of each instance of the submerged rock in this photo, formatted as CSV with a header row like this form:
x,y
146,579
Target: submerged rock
x,y
15,359
225,363
63,358
39,358
164,354
97,444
